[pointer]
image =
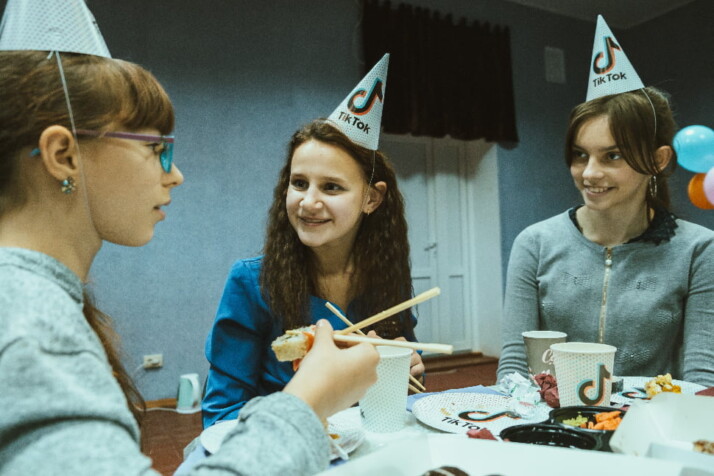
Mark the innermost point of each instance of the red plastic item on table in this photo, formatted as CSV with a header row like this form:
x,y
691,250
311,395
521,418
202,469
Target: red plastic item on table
x,y
548,389
482,434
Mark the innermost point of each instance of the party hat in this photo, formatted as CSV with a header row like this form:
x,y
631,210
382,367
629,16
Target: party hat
x,y
51,25
610,71
359,116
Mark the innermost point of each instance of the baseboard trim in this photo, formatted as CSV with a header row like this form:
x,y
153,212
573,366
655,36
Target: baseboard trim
x,y
162,403
432,364
448,362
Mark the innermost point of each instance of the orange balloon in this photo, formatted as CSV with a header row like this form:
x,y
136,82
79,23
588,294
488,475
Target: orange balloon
x,y
696,193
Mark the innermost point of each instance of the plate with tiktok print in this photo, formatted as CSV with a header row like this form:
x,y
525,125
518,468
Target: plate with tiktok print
x,y
461,412
633,389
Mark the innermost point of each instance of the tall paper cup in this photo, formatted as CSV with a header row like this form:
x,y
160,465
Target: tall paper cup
x,y
384,405
538,353
584,371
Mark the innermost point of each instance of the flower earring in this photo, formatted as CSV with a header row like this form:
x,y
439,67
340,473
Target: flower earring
x,y
68,185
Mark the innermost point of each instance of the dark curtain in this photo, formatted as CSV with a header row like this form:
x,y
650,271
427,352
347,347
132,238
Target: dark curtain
x,y
445,76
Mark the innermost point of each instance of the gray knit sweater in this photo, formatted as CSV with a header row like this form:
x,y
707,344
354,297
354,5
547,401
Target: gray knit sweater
x,y
62,412
658,308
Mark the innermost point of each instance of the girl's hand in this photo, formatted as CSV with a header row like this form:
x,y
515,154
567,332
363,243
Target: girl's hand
x,y
416,366
331,379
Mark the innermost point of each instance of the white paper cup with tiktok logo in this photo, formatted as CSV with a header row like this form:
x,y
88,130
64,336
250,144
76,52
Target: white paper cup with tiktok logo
x,y
584,372
538,354
383,408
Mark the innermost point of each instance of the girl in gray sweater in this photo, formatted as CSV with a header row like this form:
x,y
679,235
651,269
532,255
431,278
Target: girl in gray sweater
x,y
68,183
620,269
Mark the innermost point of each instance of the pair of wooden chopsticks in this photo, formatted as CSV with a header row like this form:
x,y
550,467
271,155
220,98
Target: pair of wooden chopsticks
x,y
341,337
426,295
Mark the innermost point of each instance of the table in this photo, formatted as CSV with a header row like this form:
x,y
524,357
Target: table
x,y
418,447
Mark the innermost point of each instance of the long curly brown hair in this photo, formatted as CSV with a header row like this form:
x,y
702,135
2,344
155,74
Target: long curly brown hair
x,y
382,276
103,92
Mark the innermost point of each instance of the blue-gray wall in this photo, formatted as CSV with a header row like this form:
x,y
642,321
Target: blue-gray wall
x,y
676,53
244,75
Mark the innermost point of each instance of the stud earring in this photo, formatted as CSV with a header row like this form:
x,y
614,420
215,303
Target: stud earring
x,y
68,185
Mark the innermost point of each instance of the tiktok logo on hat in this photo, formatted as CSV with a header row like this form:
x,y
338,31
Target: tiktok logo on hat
x,y
359,116
611,46
610,71
376,93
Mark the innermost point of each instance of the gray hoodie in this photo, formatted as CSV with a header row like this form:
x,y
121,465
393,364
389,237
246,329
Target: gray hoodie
x,y
62,412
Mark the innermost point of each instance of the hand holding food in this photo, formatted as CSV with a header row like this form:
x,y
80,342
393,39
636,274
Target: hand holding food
x,y
331,379
296,342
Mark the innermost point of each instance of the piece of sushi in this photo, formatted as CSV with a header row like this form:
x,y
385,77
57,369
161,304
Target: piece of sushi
x,y
294,344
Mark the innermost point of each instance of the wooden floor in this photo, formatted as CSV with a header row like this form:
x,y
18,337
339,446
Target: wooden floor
x,y
166,433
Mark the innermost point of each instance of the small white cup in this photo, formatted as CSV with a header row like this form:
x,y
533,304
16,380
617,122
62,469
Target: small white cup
x,y
584,371
384,405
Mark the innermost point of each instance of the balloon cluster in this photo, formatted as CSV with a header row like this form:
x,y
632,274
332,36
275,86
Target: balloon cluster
x,y
695,152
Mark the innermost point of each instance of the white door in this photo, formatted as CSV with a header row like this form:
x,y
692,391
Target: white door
x,y
438,178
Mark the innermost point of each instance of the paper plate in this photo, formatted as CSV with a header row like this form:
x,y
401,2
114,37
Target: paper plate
x,y
461,412
343,428
633,389
212,437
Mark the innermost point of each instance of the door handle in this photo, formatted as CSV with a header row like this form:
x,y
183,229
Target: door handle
x,y
430,246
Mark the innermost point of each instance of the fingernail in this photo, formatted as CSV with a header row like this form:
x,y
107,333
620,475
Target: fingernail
x,y
321,322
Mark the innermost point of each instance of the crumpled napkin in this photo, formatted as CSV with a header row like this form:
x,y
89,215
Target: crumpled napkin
x,y
548,389
524,394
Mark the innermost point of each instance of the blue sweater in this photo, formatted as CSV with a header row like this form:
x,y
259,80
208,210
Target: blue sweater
x,y
242,363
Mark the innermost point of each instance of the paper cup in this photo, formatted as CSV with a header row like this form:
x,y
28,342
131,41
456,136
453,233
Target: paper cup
x,y
584,372
538,353
383,408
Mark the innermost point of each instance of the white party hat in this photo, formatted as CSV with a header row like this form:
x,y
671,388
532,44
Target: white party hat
x,y
359,116
51,25
610,70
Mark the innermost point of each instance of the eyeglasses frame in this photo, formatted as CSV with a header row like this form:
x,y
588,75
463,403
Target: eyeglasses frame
x,y
166,156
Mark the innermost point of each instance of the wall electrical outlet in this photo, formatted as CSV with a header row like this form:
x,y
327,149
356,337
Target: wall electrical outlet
x,y
153,361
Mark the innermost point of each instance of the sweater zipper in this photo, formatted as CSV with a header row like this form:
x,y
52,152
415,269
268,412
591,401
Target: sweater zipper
x,y
603,304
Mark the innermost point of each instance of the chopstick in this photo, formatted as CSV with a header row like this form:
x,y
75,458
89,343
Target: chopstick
x,y
426,295
440,348
416,388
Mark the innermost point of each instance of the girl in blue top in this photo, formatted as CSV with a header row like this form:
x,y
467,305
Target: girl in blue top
x,y
336,233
